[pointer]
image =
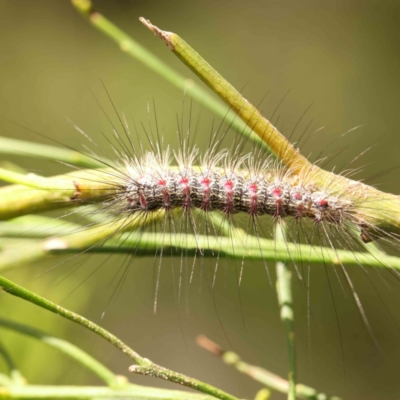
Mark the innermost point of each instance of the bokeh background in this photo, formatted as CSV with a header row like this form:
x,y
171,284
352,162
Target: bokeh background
x,y
339,56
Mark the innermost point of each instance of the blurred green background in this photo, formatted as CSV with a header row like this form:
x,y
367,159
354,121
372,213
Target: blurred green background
x,y
341,56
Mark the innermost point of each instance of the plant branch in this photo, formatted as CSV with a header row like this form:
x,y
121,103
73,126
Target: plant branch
x,y
144,365
284,290
54,153
237,247
285,301
43,194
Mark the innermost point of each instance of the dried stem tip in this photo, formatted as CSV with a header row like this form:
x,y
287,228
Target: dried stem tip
x,y
163,35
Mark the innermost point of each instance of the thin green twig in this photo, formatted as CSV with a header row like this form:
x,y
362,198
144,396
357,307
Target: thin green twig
x,y
30,149
285,301
35,194
237,247
284,289
144,366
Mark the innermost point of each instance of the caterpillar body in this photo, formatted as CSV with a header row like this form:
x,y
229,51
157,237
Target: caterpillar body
x,y
153,185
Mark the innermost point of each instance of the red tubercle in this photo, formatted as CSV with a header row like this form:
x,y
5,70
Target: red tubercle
x,y
322,202
277,192
184,181
229,186
297,196
253,187
162,182
205,182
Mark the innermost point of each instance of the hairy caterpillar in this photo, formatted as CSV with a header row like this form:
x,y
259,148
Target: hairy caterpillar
x,y
228,188
352,341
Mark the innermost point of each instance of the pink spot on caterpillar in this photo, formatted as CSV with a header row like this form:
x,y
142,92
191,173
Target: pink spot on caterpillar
x,y
229,196
205,182
253,188
322,203
184,182
297,196
228,186
162,182
277,192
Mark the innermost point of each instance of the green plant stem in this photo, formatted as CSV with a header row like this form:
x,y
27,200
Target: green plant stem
x,y
144,366
131,47
141,244
24,148
43,194
147,242
36,182
267,378
285,301
284,289
134,392
67,348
